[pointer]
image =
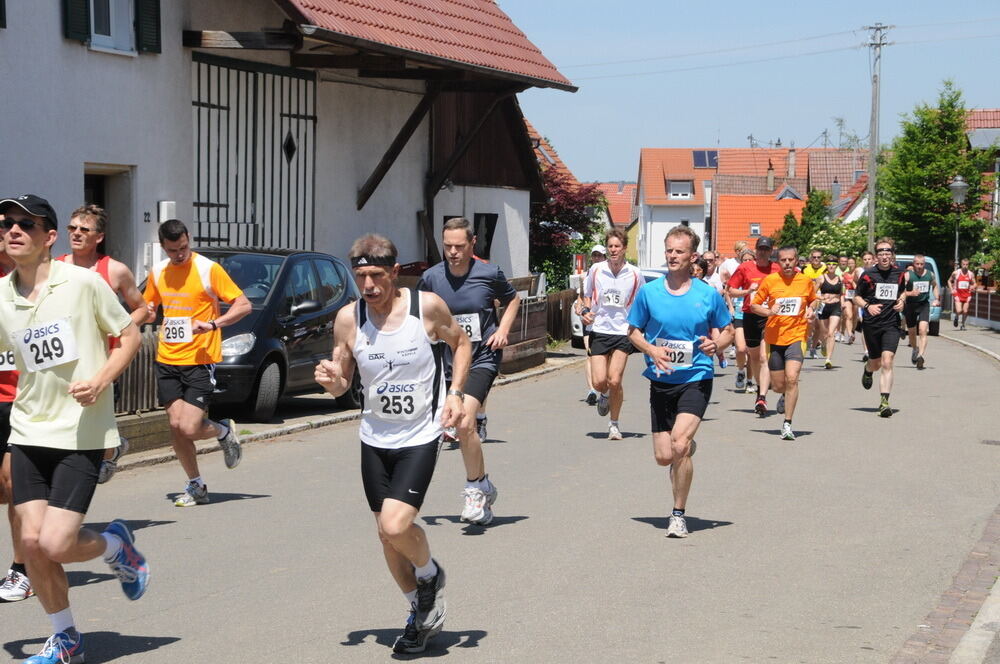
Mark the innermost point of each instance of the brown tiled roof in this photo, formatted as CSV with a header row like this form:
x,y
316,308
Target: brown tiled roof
x,y
469,32
853,195
755,184
825,165
983,118
546,154
658,165
754,161
736,213
621,201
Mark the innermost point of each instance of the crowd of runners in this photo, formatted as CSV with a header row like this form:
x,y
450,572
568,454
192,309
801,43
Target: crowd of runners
x,y
427,359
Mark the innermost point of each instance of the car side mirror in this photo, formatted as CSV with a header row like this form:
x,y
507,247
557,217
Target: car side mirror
x,y
305,307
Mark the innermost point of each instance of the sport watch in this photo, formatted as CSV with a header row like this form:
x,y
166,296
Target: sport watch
x,y
457,393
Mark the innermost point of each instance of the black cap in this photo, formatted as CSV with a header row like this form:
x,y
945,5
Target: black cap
x,y
765,242
31,204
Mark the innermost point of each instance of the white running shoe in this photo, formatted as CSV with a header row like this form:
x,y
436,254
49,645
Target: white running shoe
x,y
15,587
751,387
481,428
477,506
110,466
614,433
741,381
786,431
677,526
603,405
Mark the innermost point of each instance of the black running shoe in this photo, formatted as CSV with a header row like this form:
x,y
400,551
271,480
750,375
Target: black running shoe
x,y
920,361
866,379
884,410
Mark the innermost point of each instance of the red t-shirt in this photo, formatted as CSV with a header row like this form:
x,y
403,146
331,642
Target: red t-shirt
x,y
8,379
748,274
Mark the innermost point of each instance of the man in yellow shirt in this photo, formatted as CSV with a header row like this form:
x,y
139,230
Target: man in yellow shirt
x,y
814,269
786,299
190,288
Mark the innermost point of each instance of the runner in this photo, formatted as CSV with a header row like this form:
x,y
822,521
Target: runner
x,y
848,321
608,293
736,310
87,226
917,308
469,287
831,295
867,261
881,291
190,287
728,267
597,254
786,299
679,323
742,284
960,283
15,586
401,421
814,270
62,418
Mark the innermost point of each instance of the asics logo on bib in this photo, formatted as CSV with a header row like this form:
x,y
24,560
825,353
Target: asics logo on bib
x,y
392,388
40,332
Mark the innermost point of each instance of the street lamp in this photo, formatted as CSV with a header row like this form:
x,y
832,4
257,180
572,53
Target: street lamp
x,y
959,188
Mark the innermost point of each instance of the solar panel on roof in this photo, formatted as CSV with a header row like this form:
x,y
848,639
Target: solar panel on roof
x,y
700,159
713,158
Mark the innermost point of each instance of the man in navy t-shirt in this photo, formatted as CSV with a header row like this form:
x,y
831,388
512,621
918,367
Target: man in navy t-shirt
x,y
679,323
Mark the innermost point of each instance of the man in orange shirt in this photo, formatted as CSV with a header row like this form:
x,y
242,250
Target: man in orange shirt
x,y
785,298
190,288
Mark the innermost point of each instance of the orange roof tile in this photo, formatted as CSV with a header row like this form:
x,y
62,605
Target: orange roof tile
x,y
546,154
621,201
658,165
983,118
754,161
735,214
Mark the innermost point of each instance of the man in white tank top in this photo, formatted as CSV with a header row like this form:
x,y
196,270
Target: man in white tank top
x,y
396,338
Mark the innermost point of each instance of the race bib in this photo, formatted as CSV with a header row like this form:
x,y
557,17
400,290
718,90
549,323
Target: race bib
x,y
963,285
613,298
470,325
7,361
397,401
789,306
679,353
922,286
886,291
47,345
176,330
850,294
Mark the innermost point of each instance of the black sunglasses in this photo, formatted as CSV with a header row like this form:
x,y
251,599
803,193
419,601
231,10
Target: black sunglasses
x,y
25,224
72,228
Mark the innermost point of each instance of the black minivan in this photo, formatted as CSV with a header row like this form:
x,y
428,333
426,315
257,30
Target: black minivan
x,y
274,350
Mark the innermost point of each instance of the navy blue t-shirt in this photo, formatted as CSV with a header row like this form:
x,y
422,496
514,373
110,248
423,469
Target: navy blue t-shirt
x,y
470,298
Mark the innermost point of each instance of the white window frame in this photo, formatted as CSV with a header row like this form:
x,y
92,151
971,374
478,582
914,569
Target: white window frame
x,y
122,21
680,194
754,229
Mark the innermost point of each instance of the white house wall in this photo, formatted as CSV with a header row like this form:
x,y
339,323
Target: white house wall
x,y
657,220
513,206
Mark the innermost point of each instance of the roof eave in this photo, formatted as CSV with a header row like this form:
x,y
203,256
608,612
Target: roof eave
x,y
327,35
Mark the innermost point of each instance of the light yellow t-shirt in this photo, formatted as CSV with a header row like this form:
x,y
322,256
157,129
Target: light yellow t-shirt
x,y
73,316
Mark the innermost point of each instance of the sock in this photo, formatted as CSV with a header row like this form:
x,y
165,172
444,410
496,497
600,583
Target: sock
x,y
480,417
677,512
613,423
593,391
62,621
428,571
411,597
482,483
885,395
221,427
114,545
19,568
197,480
788,422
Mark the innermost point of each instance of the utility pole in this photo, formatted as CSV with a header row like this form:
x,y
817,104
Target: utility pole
x,y
876,42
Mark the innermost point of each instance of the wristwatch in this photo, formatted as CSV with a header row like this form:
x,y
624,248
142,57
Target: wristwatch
x,y
457,393
215,325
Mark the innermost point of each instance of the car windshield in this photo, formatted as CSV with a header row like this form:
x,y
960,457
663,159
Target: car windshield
x,y
253,273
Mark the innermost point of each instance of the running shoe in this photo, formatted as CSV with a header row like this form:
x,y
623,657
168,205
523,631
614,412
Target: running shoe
x,y
614,433
962,327
786,431
59,649
920,362
850,339
481,428
828,364
866,379
449,435
110,466
676,526
230,443
864,358
731,352
694,448
760,407
431,607
129,565
838,338
954,321
591,398
812,354
751,387
741,381
723,363
478,505
15,587
781,405
603,406
913,356
194,494
412,640
884,410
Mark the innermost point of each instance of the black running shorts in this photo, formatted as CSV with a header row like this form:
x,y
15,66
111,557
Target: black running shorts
x,y
880,340
403,474
753,329
667,400
64,478
738,323
917,312
193,383
778,356
832,309
479,382
602,344
5,407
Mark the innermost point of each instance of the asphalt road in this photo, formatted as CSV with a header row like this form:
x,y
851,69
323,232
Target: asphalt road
x,y
831,548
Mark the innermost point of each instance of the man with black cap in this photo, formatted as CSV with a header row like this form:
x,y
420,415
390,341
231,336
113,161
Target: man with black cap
x,y
62,418
744,283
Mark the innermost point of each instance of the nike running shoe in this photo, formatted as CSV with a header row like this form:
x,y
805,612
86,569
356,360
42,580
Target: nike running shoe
x,y
884,410
59,649
741,381
230,443
15,587
786,431
194,494
603,406
481,428
920,361
676,526
110,466
614,433
760,407
781,404
477,506
128,565
431,607
591,398
866,379
412,640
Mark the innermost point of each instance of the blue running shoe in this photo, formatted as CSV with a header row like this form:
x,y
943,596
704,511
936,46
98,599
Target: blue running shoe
x,y
129,565
59,649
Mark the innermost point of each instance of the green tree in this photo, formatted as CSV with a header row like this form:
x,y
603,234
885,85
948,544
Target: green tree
x,y
815,217
839,239
914,203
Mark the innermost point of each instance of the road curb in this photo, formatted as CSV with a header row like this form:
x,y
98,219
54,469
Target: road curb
x,y
206,447
962,342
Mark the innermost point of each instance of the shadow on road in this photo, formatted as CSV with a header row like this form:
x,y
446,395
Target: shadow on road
x,y
216,498
777,432
436,647
471,528
454,444
862,409
100,646
79,578
603,435
134,524
693,523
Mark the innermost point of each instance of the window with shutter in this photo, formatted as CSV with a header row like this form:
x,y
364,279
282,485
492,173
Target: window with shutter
x,y
147,26
76,19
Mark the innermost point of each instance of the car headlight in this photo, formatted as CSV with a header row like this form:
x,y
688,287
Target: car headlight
x,y
241,344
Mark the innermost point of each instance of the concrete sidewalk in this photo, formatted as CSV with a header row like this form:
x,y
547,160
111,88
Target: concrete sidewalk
x,y
983,339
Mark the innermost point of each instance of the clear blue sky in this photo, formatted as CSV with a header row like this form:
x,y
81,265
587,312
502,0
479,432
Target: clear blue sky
x,y
599,130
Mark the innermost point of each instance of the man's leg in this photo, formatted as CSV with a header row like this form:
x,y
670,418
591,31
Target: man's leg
x,y
673,448
616,371
885,375
923,328
188,424
471,446
791,384
599,372
404,543
764,384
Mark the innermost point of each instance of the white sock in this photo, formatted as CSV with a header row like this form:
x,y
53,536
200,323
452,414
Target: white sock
x,y
114,545
483,484
62,621
427,571
222,428
480,417
411,597
613,423
197,480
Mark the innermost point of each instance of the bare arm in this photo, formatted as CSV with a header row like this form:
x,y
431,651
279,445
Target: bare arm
x,y
442,326
125,286
335,375
498,339
238,308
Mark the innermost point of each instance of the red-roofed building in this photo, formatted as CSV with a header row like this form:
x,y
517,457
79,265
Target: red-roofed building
x,y
620,196
747,217
982,126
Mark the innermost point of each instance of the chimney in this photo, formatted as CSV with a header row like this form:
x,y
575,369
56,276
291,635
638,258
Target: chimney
x,y
836,190
791,162
621,186
770,176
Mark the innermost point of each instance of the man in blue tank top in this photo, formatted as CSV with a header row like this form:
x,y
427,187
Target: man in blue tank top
x,y
396,338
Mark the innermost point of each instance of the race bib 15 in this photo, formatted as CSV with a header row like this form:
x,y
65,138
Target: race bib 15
x,y
613,298
47,345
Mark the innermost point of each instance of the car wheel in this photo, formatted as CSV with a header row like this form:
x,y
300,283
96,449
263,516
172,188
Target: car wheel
x,y
264,402
351,399
577,342
934,328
